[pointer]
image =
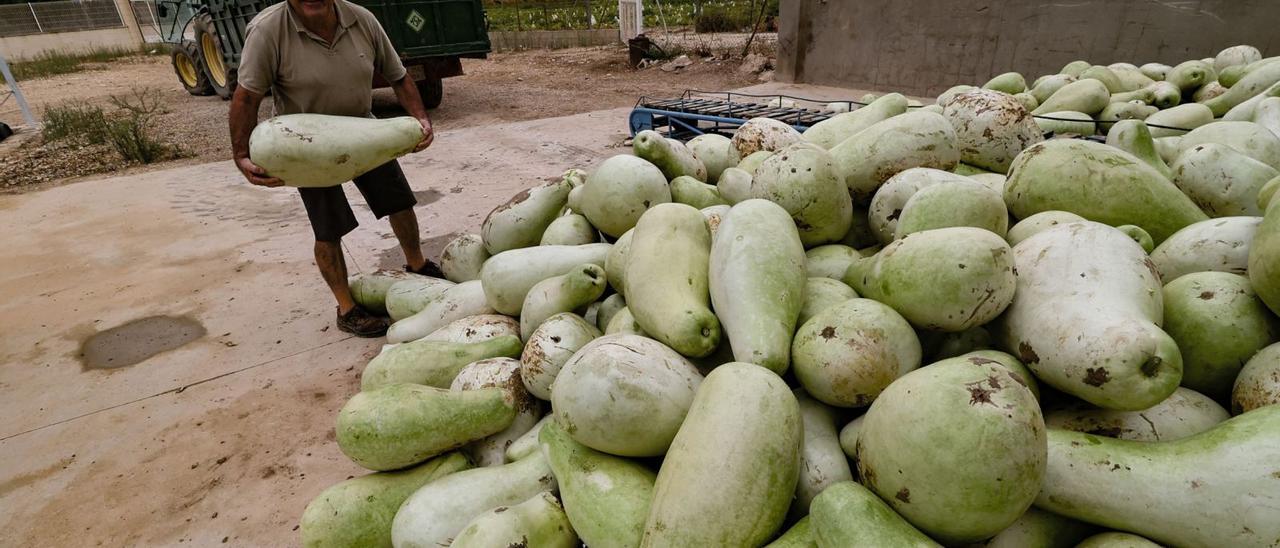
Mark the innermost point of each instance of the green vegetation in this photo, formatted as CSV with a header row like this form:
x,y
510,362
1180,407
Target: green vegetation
x,y
722,19
51,63
129,132
128,129
83,123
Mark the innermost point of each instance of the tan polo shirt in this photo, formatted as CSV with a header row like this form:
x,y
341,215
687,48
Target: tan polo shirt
x,y
307,74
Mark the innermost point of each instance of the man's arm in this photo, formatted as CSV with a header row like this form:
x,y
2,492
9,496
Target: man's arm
x,y
387,63
243,117
407,93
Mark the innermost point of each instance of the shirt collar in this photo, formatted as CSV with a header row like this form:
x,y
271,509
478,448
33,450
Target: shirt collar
x,y
346,20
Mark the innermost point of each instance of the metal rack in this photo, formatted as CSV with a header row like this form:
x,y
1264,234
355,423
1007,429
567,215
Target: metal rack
x,y
696,112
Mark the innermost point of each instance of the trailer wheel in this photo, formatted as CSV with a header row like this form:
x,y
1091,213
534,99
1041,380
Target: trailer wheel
x,y
432,92
186,64
209,46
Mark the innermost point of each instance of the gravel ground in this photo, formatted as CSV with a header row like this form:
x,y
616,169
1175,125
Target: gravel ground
x,y
506,87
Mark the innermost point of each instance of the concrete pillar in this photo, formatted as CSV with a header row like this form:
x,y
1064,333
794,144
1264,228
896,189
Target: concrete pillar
x,y
130,21
789,16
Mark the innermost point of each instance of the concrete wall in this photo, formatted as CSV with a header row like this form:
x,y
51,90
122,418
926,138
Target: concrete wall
x,y
17,48
552,39
926,46
26,47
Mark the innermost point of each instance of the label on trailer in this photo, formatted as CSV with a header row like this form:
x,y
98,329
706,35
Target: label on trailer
x,y
415,21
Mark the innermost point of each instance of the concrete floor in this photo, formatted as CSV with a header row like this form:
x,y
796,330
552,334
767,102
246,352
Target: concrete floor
x,y
224,439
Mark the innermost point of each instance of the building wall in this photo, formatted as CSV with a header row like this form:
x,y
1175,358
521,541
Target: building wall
x,y
925,46
26,47
17,48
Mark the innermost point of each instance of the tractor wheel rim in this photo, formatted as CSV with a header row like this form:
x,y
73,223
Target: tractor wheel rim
x,y
186,70
213,60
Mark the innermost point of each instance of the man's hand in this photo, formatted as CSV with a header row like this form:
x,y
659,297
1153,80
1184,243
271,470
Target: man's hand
x,y
242,116
255,174
428,135
407,93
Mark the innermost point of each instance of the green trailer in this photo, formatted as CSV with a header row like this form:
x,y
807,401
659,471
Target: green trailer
x,y
431,36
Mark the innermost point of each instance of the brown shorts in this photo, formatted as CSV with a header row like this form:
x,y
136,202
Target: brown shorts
x,y
385,190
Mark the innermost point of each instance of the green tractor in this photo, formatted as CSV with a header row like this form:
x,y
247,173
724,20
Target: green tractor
x,y
431,36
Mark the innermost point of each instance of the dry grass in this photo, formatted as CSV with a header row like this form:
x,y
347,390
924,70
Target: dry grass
x,y
129,129
52,63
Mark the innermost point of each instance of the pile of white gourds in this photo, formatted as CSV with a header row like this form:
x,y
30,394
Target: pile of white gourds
x,y
956,324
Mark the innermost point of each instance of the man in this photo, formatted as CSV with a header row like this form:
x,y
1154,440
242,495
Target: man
x,y
320,56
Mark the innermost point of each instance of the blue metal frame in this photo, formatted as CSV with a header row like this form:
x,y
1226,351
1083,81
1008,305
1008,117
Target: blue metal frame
x,y
687,121
643,118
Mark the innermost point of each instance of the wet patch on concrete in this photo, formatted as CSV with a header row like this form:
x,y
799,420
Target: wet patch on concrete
x,y
22,480
393,259
135,341
433,247
424,197
427,196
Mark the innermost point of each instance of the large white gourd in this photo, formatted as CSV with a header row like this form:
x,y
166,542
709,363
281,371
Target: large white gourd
x,y
1086,317
318,150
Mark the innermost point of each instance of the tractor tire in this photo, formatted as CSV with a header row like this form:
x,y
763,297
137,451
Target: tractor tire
x,y
432,92
189,69
209,46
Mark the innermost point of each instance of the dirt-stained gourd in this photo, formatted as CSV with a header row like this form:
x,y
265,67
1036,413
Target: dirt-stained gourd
x,y
803,180
1086,317
1210,489
521,221
850,352
969,271
462,258
732,468
404,424
667,268
973,460
318,150
916,139
625,395
358,511
757,280
991,127
670,155
619,190
1100,183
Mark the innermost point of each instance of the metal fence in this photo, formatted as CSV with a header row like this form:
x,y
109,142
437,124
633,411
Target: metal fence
x,y
62,16
713,15
153,30
144,11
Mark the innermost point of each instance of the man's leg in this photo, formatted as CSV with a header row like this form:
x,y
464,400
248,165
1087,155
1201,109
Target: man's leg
x,y
405,225
331,219
333,267
351,317
387,192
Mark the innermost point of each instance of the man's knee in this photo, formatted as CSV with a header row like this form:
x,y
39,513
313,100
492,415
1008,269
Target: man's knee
x,y
328,252
406,213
